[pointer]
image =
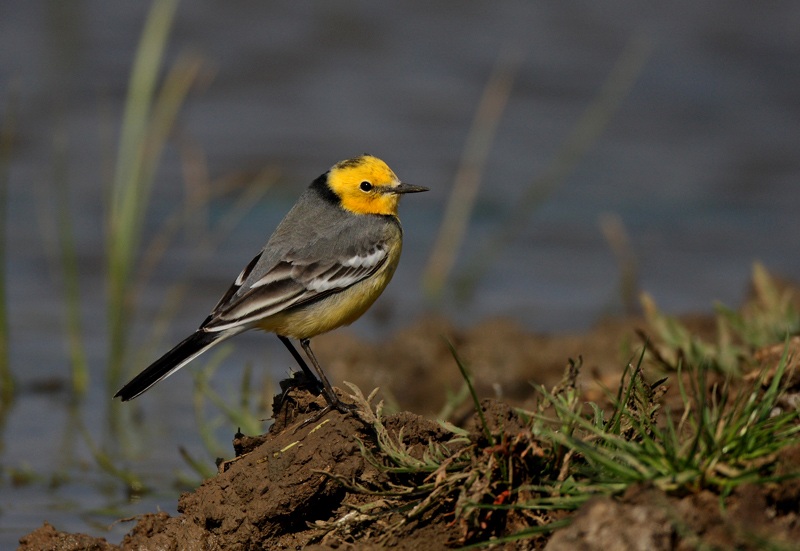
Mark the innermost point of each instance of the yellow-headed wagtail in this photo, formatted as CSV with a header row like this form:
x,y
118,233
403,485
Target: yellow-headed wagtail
x,y
328,260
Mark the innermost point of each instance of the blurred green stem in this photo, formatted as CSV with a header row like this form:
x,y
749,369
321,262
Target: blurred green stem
x,y
468,179
584,135
69,267
617,238
6,143
138,156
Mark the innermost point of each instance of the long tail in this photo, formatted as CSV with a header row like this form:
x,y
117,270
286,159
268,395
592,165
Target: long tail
x,y
172,361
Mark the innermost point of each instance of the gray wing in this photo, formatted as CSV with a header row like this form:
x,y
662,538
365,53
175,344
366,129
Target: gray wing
x,y
282,277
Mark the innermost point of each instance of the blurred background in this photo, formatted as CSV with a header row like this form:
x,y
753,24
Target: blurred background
x,y
575,153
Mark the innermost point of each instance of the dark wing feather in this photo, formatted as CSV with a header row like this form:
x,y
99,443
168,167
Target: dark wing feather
x,y
236,286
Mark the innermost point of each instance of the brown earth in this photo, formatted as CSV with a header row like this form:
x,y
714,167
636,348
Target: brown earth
x,y
293,487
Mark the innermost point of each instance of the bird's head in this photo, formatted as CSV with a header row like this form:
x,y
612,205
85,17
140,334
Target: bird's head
x,y
366,185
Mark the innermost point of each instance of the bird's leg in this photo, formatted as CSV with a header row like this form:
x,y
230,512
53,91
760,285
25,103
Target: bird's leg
x,y
327,389
330,395
302,363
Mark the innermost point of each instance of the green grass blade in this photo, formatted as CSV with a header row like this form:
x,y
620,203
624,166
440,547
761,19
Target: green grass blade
x,y
465,374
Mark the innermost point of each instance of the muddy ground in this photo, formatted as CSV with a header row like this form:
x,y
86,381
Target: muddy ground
x,y
288,489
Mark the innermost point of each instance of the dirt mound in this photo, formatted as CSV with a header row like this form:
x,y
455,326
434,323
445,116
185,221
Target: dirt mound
x,y
296,487
368,481
275,491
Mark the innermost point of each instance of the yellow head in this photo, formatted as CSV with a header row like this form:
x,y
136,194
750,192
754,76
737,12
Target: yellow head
x,y
366,185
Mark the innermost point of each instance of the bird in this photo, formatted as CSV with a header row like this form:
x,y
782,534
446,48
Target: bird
x,y
326,263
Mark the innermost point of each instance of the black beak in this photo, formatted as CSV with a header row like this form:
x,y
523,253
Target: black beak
x,y
406,188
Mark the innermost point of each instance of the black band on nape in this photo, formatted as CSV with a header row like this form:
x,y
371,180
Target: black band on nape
x,y
320,185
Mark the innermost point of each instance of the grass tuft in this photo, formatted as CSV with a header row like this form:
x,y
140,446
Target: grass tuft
x,y
770,316
521,480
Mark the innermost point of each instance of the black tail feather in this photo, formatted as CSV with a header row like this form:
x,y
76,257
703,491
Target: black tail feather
x,y
166,365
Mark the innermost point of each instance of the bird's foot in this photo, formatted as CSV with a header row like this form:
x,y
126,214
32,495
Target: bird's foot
x,y
336,403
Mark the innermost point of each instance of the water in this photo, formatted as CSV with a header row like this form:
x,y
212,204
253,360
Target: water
x,y
701,164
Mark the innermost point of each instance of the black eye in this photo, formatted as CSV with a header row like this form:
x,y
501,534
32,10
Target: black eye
x,y
365,186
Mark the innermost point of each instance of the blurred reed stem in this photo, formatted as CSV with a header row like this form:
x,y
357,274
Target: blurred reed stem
x,y
584,135
208,239
145,124
468,179
7,133
616,236
79,367
246,415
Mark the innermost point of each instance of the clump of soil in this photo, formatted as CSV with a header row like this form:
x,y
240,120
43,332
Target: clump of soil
x,y
302,486
276,490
